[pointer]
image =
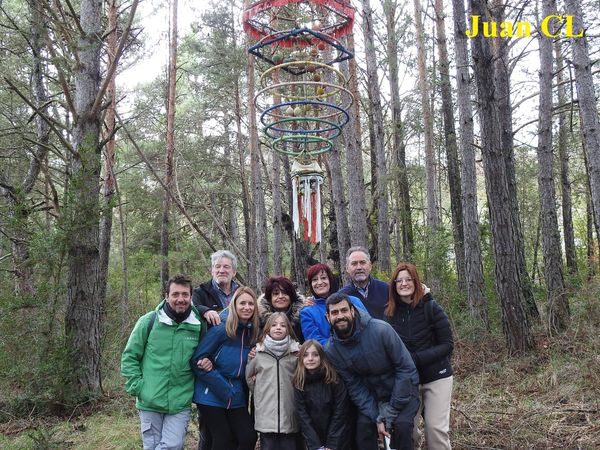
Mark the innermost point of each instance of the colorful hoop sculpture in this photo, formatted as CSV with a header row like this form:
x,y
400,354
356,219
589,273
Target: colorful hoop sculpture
x,y
303,101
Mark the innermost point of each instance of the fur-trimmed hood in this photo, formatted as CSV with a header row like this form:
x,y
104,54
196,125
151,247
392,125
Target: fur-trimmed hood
x,y
265,309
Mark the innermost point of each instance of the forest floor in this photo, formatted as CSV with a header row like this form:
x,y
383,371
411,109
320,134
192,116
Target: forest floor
x,y
547,399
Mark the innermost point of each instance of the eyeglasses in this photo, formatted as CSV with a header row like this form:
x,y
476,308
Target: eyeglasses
x,y
404,280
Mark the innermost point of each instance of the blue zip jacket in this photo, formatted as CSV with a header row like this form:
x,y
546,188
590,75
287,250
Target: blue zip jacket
x,y
377,296
314,322
225,385
375,366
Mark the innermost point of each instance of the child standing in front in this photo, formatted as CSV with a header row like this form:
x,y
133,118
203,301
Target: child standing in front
x,y
321,400
269,376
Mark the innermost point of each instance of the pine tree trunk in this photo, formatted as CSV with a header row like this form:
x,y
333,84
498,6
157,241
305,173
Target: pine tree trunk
x,y
170,147
515,322
590,244
252,226
106,219
84,305
19,206
357,209
451,147
277,218
383,235
502,84
339,204
262,249
473,262
246,200
558,306
398,144
588,109
277,209
563,151
433,217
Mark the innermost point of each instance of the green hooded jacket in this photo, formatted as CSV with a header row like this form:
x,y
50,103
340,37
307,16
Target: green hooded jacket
x,y
157,364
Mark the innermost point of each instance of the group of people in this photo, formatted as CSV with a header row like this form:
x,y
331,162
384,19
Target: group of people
x,y
337,369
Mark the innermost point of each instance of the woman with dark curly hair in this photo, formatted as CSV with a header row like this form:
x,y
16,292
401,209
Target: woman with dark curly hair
x,y
281,296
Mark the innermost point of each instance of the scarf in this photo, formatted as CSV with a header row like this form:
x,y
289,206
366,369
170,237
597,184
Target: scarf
x,y
174,315
278,348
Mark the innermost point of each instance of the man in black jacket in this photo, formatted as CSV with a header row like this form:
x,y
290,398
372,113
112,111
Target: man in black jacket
x,y
378,371
213,296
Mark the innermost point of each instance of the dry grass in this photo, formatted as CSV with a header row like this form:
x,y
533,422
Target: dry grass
x,y
549,399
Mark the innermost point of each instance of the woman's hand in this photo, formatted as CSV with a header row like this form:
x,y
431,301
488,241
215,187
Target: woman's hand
x,y
205,364
252,354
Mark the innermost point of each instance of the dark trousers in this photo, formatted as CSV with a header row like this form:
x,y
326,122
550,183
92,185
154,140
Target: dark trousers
x,y
205,439
278,441
230,429
400,431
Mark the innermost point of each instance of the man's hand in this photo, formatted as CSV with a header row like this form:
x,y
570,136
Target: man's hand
x,y
381,430
205,364
212,317
252,354
309,301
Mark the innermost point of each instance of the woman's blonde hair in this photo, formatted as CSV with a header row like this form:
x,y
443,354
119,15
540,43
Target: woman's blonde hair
x,y
271,320
233,320
300,373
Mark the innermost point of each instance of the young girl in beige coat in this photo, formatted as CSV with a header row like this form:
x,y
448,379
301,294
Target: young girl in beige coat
x,y
269,376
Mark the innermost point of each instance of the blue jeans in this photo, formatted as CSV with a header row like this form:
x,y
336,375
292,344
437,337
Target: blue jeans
x,y
164,431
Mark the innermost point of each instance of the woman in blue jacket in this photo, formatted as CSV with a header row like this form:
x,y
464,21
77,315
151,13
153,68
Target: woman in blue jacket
x,y
313,322
219,364
425,330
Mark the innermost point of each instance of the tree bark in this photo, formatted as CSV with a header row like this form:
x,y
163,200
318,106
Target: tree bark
x,y
451,146
398,144
563,151
16,196
259,224
558,306
106,219
515,321
473,262
588,108
84,304
590,244
383,235
339,204
433,217
170,147
357,207
502,85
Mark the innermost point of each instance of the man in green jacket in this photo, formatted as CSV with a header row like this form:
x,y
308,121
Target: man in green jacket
x,y
156,364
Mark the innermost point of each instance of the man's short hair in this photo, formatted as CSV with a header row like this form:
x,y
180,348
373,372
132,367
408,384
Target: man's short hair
x,y
358,248
223,254
179,278
336,298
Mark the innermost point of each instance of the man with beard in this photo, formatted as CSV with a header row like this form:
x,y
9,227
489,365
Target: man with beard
x,y
378,372
213,296
371,291
156,364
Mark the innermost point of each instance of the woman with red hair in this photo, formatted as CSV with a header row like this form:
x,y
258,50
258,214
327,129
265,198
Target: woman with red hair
x,y
425,329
